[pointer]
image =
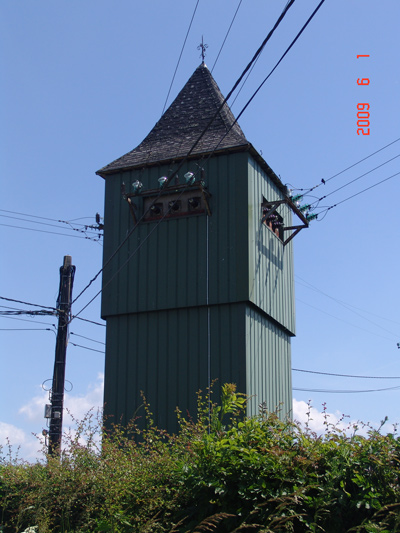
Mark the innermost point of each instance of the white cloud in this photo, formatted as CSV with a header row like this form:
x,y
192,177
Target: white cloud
x,y
34,410
77,407
17,443
27,445
322,421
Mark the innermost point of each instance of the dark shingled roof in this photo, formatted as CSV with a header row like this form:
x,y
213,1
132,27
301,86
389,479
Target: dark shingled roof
x,y
181,125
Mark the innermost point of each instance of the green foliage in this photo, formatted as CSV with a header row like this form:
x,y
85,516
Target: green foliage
x,y
223,472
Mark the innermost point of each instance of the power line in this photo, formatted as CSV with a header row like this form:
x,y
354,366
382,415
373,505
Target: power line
x,y
348,307
87,338
227,33
26,320
339,391
90,321
345,321
281,59
258,52
50,232
26,303
357,194
343,375
68,222
43,312
26,215
267,77
323,181
356,179
244,82
86,348
27,329
71,228
180,56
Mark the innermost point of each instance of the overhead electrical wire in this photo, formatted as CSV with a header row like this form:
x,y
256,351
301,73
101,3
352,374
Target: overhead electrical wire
x,y
245,80
27,329
226,36
87,338
345,321
51,225
356,179
344,391
43,312
343,375
254,58
90,321
267,77
280,60
68,222
180,56
26,320
89,232
357,194
51,232
324,181
27,303
86,348
346,306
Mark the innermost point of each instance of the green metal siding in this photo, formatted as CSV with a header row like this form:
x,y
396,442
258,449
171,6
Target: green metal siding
x,y
271,281
170,355
163,354
169,269
268,365
175,322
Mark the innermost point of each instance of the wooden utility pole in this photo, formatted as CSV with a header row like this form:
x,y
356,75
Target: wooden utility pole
x,y
67,272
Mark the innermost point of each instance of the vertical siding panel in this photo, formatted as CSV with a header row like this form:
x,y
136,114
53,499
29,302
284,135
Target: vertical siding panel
x,y
268,365
270,263
149,383
110,368
172,257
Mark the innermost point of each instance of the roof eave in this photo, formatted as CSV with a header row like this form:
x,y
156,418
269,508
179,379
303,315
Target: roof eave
x,y
234,149
240,148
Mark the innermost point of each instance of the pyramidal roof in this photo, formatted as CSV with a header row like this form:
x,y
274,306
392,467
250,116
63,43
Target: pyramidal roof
x,y
182,124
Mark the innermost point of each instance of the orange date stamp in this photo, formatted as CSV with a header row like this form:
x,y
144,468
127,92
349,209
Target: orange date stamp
x,y
363,115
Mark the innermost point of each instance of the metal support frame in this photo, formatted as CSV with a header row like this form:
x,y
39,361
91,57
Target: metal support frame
x,y
273,206
173,189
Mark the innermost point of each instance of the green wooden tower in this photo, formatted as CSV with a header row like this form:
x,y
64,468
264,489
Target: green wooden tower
x,y
198,271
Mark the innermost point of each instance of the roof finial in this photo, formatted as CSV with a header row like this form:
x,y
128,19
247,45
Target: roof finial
x,y
203,48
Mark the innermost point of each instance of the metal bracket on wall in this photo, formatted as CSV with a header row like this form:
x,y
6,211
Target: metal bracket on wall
x,y
170,202
269,208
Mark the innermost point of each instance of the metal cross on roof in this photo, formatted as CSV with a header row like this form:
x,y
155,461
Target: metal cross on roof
x,y
203,48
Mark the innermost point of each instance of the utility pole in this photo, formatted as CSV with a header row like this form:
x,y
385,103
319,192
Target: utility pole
x,y
67,272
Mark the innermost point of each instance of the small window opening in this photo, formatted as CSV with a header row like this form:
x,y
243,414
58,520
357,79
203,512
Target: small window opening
x,y
174,206
156,209
194,203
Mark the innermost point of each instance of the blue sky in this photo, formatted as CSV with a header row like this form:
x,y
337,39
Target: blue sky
x,y
84,82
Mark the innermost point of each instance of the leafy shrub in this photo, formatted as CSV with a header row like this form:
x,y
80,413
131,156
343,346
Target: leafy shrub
x,y
223,473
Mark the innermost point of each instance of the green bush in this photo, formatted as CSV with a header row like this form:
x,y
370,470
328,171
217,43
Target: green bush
x,y
222,473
